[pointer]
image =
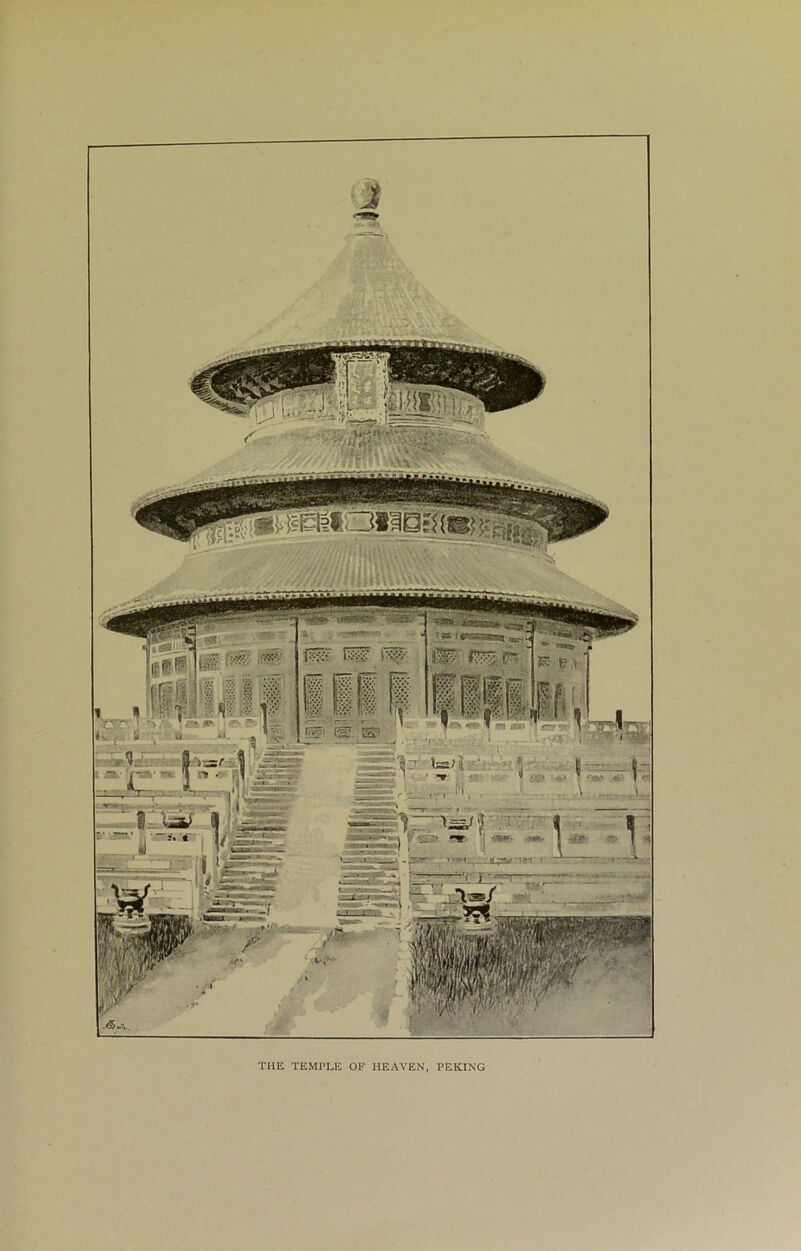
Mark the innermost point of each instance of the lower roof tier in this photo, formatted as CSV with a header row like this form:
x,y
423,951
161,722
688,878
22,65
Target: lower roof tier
x,y
368,567
307,465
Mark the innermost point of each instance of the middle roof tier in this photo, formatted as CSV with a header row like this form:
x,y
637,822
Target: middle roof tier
x,y
320,464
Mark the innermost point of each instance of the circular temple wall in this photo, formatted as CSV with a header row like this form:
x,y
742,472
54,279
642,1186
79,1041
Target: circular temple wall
x,y
340,674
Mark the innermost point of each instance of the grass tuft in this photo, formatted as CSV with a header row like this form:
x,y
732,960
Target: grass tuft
x,y
517,964
124,961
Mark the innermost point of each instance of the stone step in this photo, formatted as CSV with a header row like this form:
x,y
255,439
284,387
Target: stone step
x,y
252,866
372,838
255,857
361,913
386,894
362,873
371,853
261,833
255,870
263,827
235,909
257,847
257,921
256,905
266,853
270,855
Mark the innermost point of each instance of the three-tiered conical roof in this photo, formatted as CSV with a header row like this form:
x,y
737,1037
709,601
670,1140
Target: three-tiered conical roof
x,y
368,303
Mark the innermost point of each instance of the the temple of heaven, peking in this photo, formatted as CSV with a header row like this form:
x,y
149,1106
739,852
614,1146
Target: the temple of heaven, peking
x,y
368,550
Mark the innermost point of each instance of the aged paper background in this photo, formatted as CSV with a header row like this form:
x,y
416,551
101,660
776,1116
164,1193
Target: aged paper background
x,y
688,1140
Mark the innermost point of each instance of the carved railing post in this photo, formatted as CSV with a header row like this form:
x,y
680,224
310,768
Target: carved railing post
x,y
557,835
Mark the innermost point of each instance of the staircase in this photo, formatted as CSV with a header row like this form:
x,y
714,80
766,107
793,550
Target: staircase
x,y
248,881
369,894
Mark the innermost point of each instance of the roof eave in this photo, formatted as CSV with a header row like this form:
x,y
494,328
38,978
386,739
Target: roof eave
x,y
521,382
138,616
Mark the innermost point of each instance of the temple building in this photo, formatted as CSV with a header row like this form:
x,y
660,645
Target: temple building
x,y
368,681
368,551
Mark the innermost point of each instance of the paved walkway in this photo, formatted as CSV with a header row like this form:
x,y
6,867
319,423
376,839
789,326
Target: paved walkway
x,y
346,991
220,983
241,983
307,888
243,1003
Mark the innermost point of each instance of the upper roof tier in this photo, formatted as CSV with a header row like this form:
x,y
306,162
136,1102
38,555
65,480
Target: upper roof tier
x,y
367,298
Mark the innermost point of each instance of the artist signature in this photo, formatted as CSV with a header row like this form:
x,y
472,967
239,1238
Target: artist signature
x,y
116,1027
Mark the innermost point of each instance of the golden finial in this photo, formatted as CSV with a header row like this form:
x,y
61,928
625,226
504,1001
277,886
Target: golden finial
x,y
365,195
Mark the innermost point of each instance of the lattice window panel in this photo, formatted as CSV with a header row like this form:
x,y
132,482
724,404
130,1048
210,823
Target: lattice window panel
x,y
207,703
544,705
543,661
493,696
272,657
181,694
343,694
357,655
400,688
514,697
272,694
511,659
560,708
471,696
167,699
180,664
395,655
317,655
237,660
154,670
166,667
313,694
445,692
447,655
478,657
368,696
246,697
229,697
207,663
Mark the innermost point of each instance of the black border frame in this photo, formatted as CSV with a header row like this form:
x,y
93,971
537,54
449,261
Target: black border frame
x,y
491,1038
